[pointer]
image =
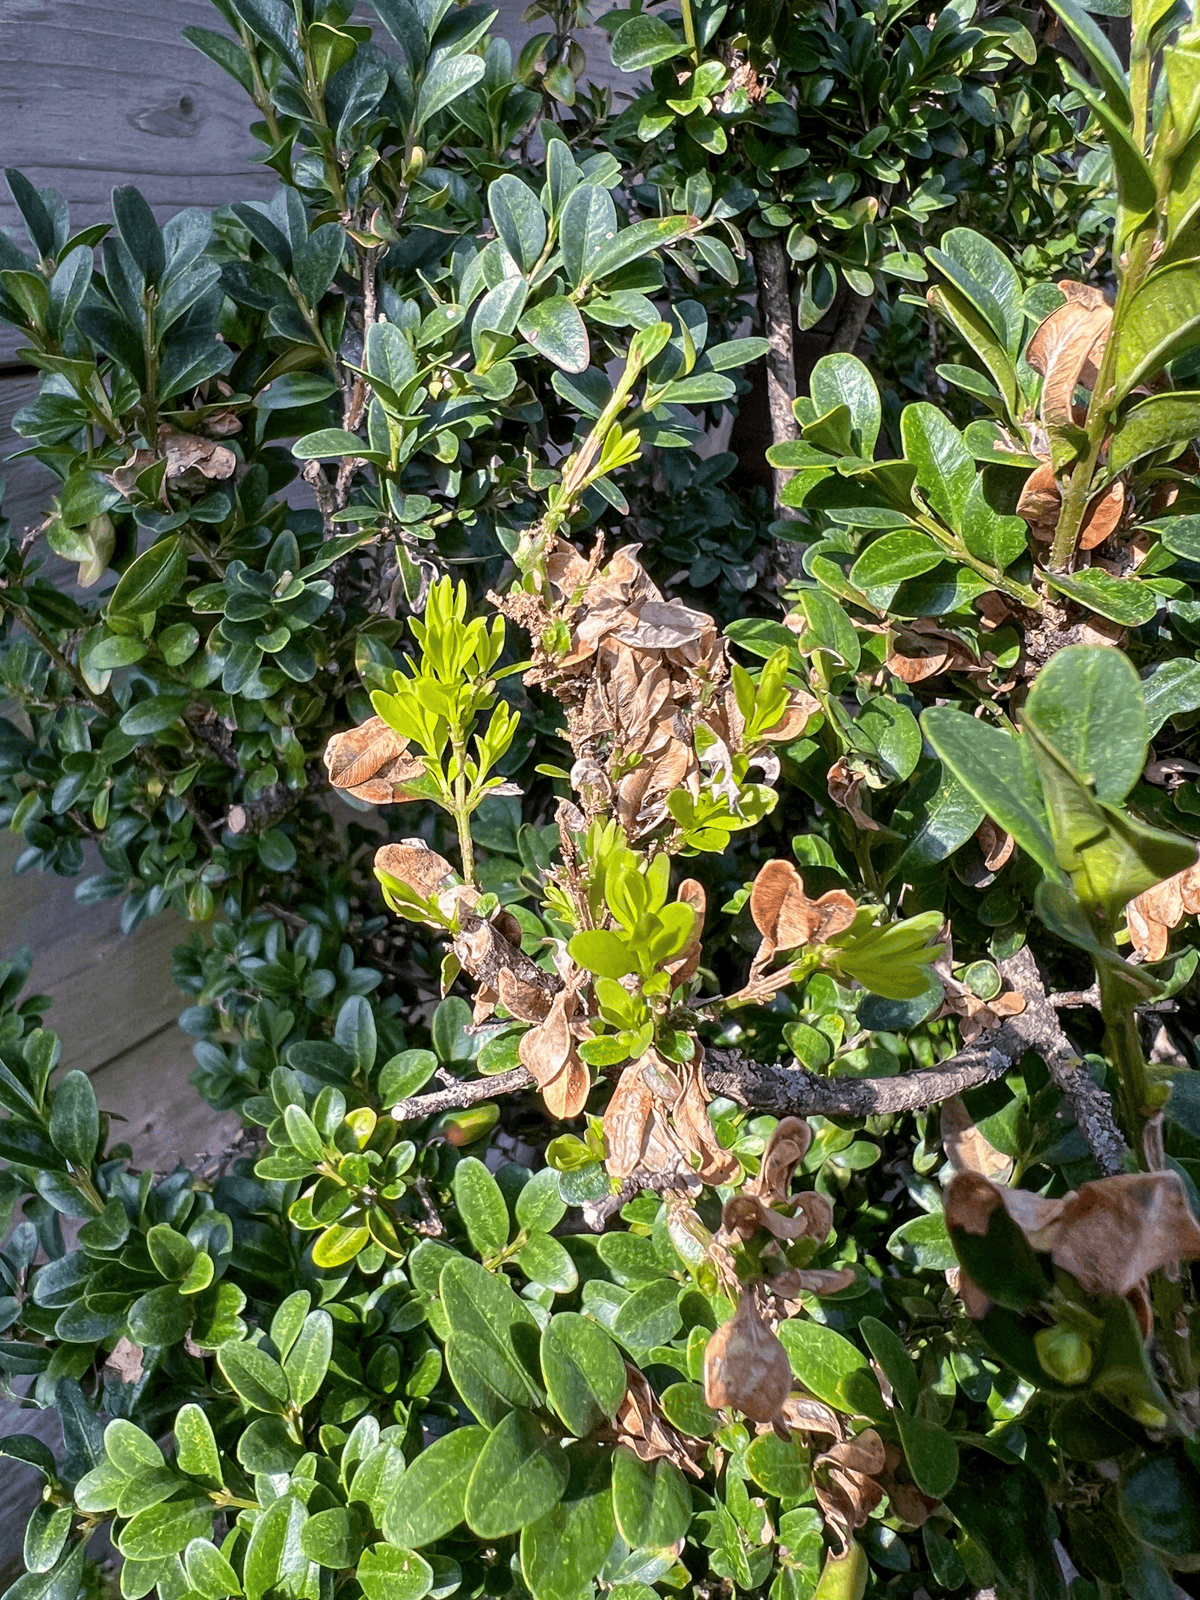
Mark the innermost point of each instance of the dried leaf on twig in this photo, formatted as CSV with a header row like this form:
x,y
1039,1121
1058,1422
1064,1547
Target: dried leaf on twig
x,y
745,1367
1151,916
372,763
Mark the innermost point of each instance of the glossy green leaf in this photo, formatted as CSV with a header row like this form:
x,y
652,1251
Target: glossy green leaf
x,y
307,1362
832,1368
250,1372
196,1447
1162,422
566,1547
1087,703
385,1573
75,1120
1162,320
931,1453
481,1206
996,770
432,1494
1122,600
651,1500
444,82
150,581
893,558
165,1529
583,1371
521,1473
643,41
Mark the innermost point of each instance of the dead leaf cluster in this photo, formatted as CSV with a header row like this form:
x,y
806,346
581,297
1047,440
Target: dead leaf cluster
x,y
372,763
1110,1235
657,1121
787,919
642,1426
639,674
846,1483
745,1367
1151,916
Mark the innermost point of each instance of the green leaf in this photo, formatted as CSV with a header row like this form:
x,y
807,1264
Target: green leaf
x,y
331,1539
935,817
1162,422
1160,1500
45,1536
209,1574
555,329
481,1206
893,558
923,1242
151,580
588,222
1007,1512
258,1381
651,1501
328,442
385,1573
779,1466
630,244
996,769
388,356
274,1548
1123,600
339,1244
140,234
520,1474
989,535
566,1547
1161,322
945,467
602,952
444,82
979,268
950,303
931,1453
831,1367
539,1206
1087,702
1100,56
159,712
308,1360
842,379
431,1497
165,1529
889,1351
519,220
486,1322
643,41
196,1447
583,1371
75,1120
545,1261
1170,689
650,1316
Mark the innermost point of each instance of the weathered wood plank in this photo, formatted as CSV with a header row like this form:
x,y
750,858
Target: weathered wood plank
x,y
28,485
97,93
111,991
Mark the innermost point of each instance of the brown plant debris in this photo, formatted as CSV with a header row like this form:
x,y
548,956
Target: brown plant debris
x,y
1110,1235
787,919
1067,350
1151,916
966,1148
846,1483
372,763
745,1367
642,1427
657,1121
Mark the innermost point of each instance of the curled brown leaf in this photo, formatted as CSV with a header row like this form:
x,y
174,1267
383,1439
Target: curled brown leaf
x,y
372,763
745,1367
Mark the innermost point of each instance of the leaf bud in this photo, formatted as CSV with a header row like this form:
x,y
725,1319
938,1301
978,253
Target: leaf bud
x,y
466,1126
1064,1354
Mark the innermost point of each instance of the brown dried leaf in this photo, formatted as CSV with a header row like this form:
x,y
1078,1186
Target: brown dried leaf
x,y
997,846
414,863
1103,513
690,1115
1110,1235
1040,501
782,1154
912,658
372,763
526,1000
745,1366
809,1280
627,1123
1067,348
1152,915
844,786
785,916
797,714
643,1428
189,452
566,1095
845,1485
966,1148
683,968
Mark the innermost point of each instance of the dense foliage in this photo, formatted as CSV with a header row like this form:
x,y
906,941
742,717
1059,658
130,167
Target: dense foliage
x,y
737,1130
